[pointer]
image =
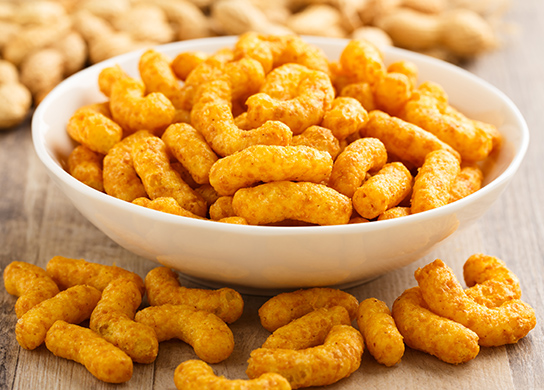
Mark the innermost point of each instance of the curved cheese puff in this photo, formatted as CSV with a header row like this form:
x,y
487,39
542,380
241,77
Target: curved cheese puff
x,y
292,94
502,325
338,357
468,181
68,272
303,201
363,61
86,166
319,138
309,330
407,68
490,282
28,282
163,287
152,164
385,189
184,63
197,375
104,360
362,92
286,307
73,305
266,163
425,331
352,165
434,180
113,319
120,178
392,91
108,76
92,126
380,333
210,337
345,117
407,141
166,205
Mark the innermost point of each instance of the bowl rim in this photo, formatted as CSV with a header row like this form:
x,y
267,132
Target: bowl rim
x,y
54,168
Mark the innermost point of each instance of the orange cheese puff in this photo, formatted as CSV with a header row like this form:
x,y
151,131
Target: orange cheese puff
x,y
309,330
468,181
198,375
163,287
286,307
30,283
392,91
120,178
113,319
319,138
166,205
91,126
394,212
345,117
208,334
496,326
68,272
407,141
235,220
380,333
184,63
108,76
434,180
351,166
292,94
491,130
338,357
152,164
407,68
266,163
86,166
425,331
102,359
222,208
73,305
191,149
302,201
158,76
382,191
358,219
361,92
133,110
363,60
207,192
490,282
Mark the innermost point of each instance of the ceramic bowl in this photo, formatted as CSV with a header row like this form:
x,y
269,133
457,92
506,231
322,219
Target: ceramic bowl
x,y
261,259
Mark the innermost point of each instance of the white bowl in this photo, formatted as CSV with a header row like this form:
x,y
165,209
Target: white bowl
x,y
262,259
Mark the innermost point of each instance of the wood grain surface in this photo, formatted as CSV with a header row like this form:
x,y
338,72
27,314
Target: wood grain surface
x,y
38,222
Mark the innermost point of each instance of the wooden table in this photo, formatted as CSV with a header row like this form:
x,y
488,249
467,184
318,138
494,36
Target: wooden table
x,y
37,222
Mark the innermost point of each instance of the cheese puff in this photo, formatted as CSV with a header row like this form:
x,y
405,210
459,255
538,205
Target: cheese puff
x,y
73,305
152,164
392,91
345,117
120,177
235,220
30,283
166,205
407,141
286,307
212,116
338,357
86,166
133,110
382,191
468,181
406,68
266,163
358,219
241,121
394,212
191,149
68,272
113,319
154,68
496,326
380,333
291,94
184,63
362,92
91,126
426,331
163,287
434,181
363,60
319,138
222,208
301,201
351,166
198,375
490,282
209,336
209,193
108,76
492,131
102,359
309,330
